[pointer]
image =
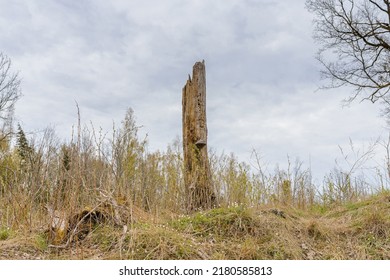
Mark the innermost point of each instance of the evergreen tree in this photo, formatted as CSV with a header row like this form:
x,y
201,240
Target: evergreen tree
x,y
22,146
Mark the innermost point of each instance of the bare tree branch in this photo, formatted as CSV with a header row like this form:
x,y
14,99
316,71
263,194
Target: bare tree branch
x,y
9,87
355,45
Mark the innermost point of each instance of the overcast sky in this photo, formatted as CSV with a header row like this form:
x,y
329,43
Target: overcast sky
x,y
110,55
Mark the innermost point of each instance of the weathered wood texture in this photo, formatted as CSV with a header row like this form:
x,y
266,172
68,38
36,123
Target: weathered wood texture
x,y
199,191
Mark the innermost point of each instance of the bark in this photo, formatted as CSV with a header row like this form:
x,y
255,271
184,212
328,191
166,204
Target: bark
x,y
197,177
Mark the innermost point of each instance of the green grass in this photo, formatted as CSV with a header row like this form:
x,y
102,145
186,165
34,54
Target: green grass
x,y
41,242
5,233
221,222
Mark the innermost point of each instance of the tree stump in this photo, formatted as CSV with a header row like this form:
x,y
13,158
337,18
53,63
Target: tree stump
x,y
197,176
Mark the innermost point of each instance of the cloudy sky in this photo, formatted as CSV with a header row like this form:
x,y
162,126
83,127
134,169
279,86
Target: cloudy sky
x,y
110,55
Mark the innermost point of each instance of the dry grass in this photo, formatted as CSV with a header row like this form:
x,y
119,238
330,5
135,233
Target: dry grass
x,y
123,202
353,231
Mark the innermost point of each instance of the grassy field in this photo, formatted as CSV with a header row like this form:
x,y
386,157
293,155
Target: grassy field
x,y
358,230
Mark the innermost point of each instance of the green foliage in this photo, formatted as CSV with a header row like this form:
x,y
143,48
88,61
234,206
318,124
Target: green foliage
x,y
22,145
5,233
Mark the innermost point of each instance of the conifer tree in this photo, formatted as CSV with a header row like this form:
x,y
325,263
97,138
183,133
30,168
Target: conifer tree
x,y
23,148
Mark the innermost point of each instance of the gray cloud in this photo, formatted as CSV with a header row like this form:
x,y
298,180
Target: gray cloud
x,y
111,55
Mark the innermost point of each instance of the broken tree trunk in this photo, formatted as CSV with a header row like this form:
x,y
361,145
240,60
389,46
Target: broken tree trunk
x,y
197,177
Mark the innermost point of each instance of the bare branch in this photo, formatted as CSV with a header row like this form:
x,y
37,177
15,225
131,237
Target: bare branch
x,y
355,44
9,87
378,6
